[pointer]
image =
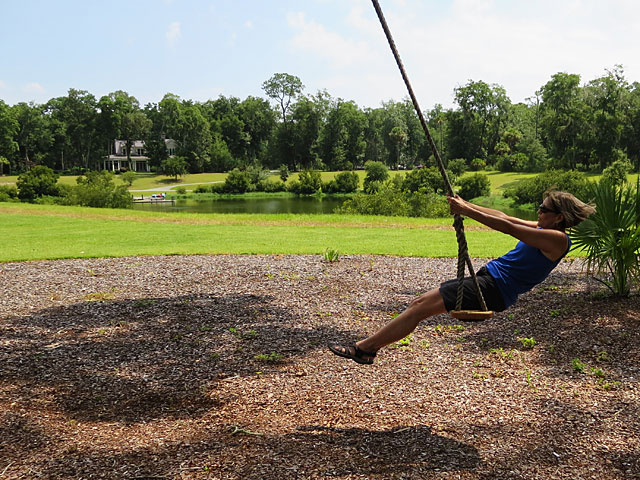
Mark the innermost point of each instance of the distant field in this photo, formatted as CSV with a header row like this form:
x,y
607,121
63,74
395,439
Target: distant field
x,y
160,183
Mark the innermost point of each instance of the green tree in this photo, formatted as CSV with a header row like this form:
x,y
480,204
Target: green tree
x,y
128,177
78,113
283,88
8,131
376,172
33,137
478,124
611,236
342,142
193,137
259,121
562,118
110,121
135,126
37,182
175,166
608,100
398,137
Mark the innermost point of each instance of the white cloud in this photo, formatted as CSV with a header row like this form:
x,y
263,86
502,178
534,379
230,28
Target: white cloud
x,y
314,38
33,87
2,84
173,34
248,24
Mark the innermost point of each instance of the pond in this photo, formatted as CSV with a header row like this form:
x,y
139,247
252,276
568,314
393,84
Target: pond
x,y
301,205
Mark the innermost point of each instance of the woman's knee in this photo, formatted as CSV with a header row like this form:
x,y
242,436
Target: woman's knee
x,y
428,304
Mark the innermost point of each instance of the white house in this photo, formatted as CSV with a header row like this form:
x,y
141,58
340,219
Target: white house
x,y
118,161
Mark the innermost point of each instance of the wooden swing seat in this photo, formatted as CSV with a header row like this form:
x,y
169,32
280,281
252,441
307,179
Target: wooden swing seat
x,y
471,315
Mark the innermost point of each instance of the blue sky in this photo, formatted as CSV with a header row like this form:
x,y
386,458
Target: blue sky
x,y
200,49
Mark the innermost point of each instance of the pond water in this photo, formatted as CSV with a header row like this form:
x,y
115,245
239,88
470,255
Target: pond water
x,y
302,205
306,205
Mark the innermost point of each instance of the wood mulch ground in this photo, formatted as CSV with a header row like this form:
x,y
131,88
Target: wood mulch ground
x,y
215,367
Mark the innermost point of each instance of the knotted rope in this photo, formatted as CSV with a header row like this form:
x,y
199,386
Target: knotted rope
x,y
463,252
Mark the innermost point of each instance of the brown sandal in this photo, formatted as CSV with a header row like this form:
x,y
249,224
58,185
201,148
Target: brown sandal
x,y
354,353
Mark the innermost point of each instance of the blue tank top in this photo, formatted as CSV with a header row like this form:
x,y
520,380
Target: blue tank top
x,y
520,270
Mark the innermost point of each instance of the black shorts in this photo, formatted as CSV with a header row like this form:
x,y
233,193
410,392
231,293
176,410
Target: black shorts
x,y
492,296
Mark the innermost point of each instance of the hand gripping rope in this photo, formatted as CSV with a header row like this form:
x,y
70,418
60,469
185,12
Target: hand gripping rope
x,y
463,253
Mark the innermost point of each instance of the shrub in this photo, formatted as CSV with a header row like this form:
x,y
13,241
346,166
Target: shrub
x,y
284,172
611,236
427,205
474,185
391,201
376,172
457,166
531,190
424,179
617,172
346,182
37,182
478,164
97,189
271,186
309,182
237,181
384,202
8,193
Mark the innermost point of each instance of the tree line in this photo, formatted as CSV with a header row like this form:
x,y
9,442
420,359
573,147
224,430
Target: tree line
x,y
565,125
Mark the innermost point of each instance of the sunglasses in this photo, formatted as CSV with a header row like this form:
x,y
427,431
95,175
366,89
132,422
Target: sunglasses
x,y
544,209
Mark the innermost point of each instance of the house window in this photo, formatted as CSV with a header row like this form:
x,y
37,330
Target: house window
x,y
172,151
140,151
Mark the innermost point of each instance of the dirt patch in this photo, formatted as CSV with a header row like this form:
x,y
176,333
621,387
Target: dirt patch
x,y
215,367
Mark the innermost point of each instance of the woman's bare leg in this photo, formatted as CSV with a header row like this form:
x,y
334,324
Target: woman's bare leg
x,y
422,307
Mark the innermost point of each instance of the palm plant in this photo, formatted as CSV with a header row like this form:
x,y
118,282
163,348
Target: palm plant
x,y
611,236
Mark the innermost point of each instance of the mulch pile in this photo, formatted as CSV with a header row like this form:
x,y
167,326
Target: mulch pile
x,y
216,367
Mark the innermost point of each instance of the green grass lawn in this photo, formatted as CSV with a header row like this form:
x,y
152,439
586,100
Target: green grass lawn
x,y
32,232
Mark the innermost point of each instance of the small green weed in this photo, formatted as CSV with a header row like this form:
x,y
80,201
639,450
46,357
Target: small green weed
x,y
604,385
243,335
99,296
603,356
577,365
330,255
528,343
272,357
405,342
500,352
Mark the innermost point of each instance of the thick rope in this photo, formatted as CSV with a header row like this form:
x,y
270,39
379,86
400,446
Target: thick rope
x,y
463,252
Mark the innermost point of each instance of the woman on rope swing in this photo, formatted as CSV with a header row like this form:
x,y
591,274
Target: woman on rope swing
x,y
541,246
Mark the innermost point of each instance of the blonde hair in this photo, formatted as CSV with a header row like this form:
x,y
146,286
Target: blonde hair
x,y
573,210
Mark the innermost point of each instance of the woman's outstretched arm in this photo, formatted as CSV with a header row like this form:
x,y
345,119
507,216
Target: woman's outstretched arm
x,y
551,242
